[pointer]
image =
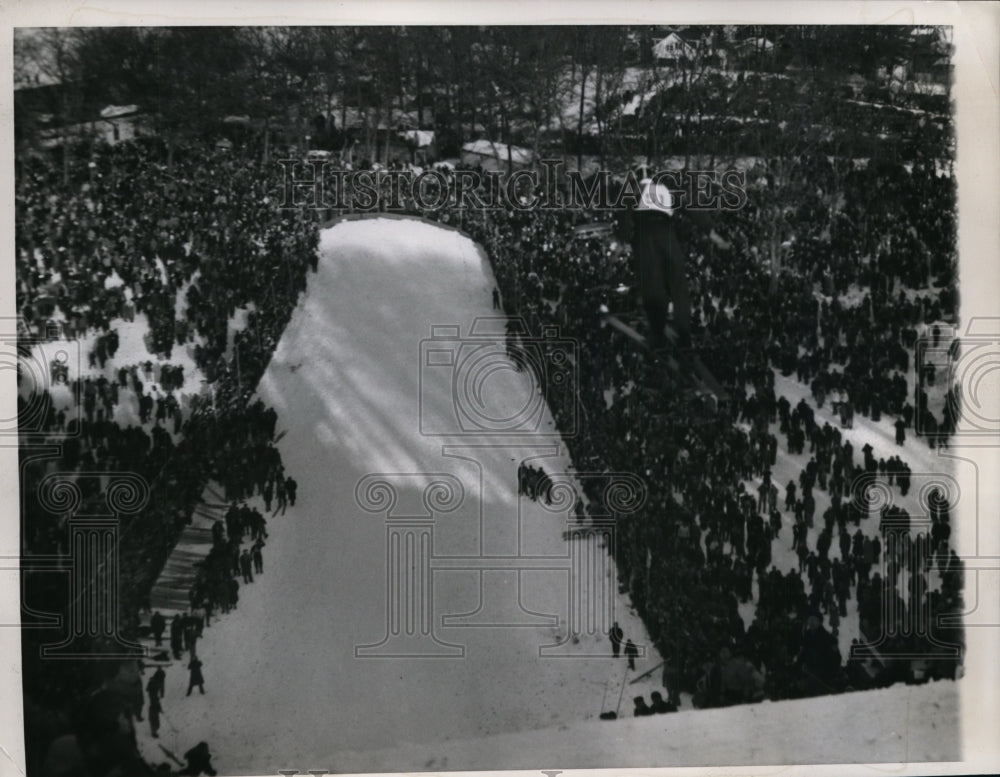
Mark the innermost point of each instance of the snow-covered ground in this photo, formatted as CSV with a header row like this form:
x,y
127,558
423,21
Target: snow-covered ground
x,y
903,724
133,350
307,674
285,679
930,468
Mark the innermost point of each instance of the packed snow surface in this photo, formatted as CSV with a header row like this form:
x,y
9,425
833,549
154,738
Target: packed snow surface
x,y
284,681
308,673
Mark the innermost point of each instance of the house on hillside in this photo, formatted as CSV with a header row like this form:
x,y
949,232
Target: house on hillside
x,y
403,145
856,84
762,45
118,123
495,156
423,145
51,114
927,75
672,49
114,124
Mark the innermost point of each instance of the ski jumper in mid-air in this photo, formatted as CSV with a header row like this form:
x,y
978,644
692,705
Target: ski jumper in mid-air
x,y
661,259
655,227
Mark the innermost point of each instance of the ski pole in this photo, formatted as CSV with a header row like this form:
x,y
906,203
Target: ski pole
x,y
647,673
605,696
622,693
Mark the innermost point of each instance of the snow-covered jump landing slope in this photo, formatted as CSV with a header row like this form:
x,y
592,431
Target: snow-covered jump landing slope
x,y
402,625
303,670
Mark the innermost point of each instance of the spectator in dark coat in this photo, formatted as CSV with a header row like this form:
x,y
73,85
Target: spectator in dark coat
x,y
157,625
196,678
199,761
190,634
154,716
246,567
641,708
177,635
155,686
234,593
615,635
281,491
659,705
631,653
258,556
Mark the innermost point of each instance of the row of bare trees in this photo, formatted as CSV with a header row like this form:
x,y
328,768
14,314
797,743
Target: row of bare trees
x,y
593,90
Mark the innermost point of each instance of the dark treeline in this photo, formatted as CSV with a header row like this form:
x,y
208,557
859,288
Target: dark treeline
x,y
599,90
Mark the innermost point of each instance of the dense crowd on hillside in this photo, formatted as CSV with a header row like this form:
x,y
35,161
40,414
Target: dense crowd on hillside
x,y
186,245
706,534
190,244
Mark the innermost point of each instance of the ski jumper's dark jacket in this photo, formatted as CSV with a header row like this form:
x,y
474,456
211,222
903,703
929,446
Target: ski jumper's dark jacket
x,y
660,253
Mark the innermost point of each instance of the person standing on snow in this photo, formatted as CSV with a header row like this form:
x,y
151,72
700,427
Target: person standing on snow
x,y
900,431
258,556
157,625
615,635
631,653
190,634
154,716
234,593
268,495
282,494
155,686
177,635
245,567
197,679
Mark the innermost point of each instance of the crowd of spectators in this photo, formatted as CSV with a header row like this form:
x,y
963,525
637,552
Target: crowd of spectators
x,y
185,245
865,268
841,312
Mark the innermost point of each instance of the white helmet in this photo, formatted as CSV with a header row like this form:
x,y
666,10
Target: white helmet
x,y
655,195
